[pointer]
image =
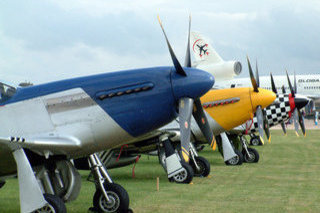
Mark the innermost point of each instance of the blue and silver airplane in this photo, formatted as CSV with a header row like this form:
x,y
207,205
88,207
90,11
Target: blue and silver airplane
x,y
44,126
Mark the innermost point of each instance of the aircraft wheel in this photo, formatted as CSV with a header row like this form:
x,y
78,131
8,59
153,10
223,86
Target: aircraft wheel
x,y
2,184
119,199
255,141
237,160
204,166
185,176
254,156
55,205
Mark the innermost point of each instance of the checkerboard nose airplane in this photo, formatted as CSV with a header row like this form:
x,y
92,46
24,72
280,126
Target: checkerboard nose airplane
x,y
284,107
46,125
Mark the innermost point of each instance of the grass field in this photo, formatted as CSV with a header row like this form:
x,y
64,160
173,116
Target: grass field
x,y
286,179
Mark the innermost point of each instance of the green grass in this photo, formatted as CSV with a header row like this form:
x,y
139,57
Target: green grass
x,y
286,179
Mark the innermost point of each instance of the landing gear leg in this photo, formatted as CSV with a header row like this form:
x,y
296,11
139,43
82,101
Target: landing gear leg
x,y
109,196
250,155
178,171
31,195
238,158
200,165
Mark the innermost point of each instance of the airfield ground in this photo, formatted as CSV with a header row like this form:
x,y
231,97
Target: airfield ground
x,y
286,179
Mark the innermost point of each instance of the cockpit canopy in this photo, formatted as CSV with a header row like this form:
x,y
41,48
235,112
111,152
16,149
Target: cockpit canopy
x,y
6,92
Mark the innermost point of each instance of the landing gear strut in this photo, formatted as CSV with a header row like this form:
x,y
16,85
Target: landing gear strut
x,y
32,198
200,165
177,170
109,196
59,177
236,160
250,155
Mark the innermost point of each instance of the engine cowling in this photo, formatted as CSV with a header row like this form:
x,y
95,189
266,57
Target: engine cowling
x,y
223,70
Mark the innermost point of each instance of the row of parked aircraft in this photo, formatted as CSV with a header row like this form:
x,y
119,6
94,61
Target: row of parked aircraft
x,y
49,131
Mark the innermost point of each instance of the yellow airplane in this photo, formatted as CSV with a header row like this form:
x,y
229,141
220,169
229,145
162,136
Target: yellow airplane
x,y
234,106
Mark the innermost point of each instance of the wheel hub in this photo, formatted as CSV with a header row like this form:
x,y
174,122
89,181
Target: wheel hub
x,y
255,141
180,177
250,158
234,160
201,169
112,205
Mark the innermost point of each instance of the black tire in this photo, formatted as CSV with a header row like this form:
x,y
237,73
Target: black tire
x,y
255,141
236,161
2,184
118,195
56,205
204,166
254,156
184,177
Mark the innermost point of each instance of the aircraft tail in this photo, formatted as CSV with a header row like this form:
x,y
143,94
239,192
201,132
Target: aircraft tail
x,y
202,50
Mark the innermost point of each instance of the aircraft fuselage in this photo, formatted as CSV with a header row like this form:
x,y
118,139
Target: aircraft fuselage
x,y
100,111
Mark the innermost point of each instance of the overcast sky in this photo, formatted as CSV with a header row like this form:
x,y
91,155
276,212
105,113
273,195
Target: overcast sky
x,y
47,40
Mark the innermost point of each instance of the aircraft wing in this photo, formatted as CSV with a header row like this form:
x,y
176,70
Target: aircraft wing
x,y
313,96
43,145
314,103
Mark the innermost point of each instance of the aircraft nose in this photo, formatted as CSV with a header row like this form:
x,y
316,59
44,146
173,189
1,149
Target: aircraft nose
x,y
300,101
262,98
194,85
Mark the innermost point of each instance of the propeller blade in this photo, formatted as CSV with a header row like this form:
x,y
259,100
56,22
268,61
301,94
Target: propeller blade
x,y
202,121
257,74
301,122
283,128
295,120
295,83
185,110
274,88
266,126
187,62
175,61
283,90
253,80
259,114
290,86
